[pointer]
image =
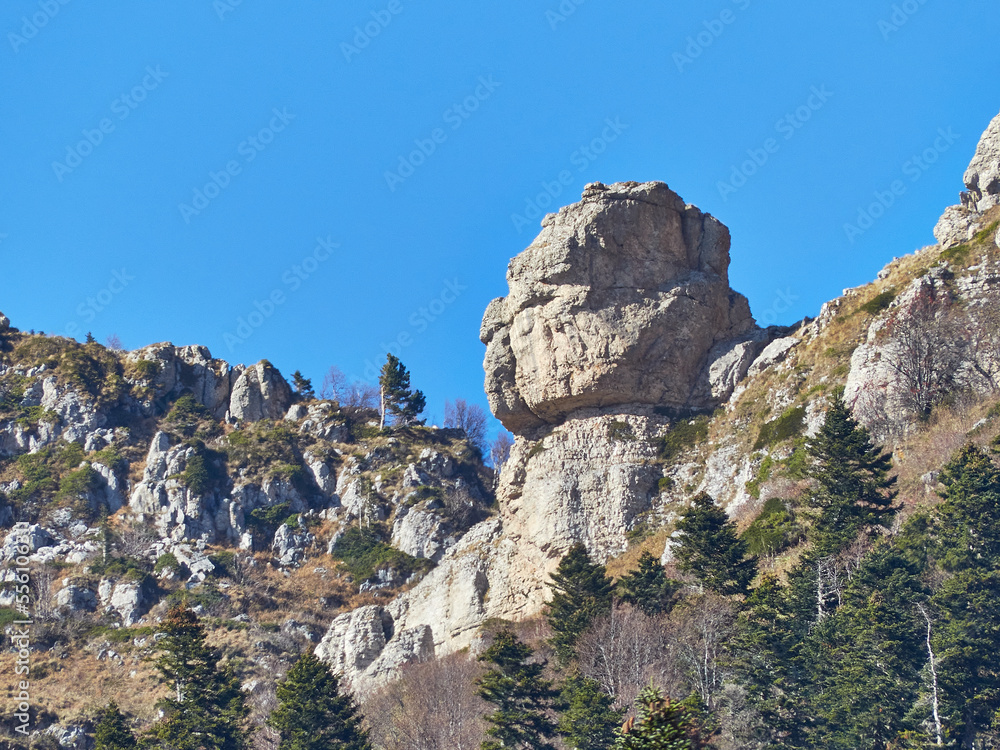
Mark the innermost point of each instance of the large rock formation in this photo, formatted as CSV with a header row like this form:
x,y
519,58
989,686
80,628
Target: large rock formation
x,y
982,181
622,300
619,320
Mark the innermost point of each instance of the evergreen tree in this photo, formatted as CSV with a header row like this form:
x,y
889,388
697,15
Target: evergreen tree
x,y
853,486
869,654
522,697
660,724
112,731
587,718
581,592
647,587
395,395
206,710
711,550
311,712
967,524
303,386
90,338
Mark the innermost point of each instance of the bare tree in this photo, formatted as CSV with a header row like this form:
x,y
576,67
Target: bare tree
x,y
700,628
114,343
471,418
350,395
333,383
433,706
623,650
500,451
925,350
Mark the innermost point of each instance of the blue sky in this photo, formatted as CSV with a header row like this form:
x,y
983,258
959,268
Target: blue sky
x,y
344,178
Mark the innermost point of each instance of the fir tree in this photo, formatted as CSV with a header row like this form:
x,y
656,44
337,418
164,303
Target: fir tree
x,y
587,718
206,710
395,395
303,386
311,712
853,487
967,525
712,551
112,731
660,724
522,697
581,592
647,587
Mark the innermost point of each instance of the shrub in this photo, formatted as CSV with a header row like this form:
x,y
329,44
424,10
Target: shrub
x,y
774,530
620,430
879,302
195,475
683,436
790,424
167,561
364,552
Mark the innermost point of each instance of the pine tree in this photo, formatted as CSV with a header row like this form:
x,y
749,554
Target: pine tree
x,y
853,487
966,526
303,386
515,686
581,592
112,731
647,587
396,398
311,712
90,338
206,710
661,724
711,550
587,718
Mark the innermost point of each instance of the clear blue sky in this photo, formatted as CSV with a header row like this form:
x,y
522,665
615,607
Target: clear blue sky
x,y
299,114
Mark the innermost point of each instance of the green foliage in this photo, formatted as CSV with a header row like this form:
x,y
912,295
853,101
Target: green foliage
x,y
312,714
880,302
397,398
206,708
303,386
660,724
763,474
853,488
225,562
587,718
265,449
581,592
266,520
966,530
77,484
7,616
621,431
665,484
166,561
710,549
514,685
790,424
648,588
682,436
536,449
146,369
196,476
112,731
186,415
774,530
364,552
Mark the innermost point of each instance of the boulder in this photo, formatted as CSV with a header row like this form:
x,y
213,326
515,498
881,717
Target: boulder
x,y
259,392
619,302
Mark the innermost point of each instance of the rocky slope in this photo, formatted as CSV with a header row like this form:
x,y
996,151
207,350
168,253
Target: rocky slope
x,y
632,376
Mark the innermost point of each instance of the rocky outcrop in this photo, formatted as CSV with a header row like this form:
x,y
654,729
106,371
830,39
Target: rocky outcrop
x,y
188,369
124,598
982,182
259,392
620,301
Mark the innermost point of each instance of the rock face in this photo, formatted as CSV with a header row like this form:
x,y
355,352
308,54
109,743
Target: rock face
x,y
982,181
619,301
259,392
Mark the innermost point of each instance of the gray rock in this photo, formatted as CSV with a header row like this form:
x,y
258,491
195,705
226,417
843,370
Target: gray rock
x,y
619,301
775,352
259,392
72,599
982,182
125,598
4,322
289,547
